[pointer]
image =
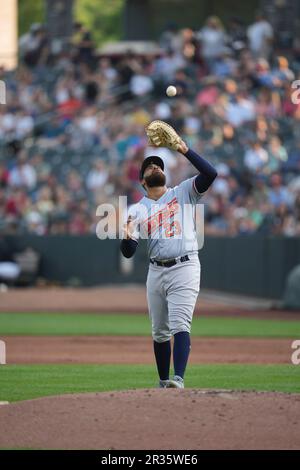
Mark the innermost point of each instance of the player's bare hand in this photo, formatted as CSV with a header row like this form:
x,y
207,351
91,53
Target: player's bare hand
x,y
128,228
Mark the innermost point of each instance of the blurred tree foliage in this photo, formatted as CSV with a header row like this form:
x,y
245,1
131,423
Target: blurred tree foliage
x,y
30,11
102,17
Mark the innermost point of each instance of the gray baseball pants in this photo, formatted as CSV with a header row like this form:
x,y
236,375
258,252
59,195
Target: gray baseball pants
x,y
171,295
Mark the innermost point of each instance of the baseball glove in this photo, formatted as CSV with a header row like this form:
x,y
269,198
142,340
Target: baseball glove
x,y
161,134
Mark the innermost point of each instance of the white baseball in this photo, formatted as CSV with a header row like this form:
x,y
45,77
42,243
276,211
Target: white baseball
x,y
171,90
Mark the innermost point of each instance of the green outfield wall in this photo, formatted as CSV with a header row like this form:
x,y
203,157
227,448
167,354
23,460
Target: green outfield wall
x,y
253,265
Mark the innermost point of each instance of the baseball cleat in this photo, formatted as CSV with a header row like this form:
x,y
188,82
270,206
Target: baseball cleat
x,y
163,384
177,382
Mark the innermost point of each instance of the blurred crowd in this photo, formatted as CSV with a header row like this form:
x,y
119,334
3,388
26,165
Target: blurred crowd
x,y
72,135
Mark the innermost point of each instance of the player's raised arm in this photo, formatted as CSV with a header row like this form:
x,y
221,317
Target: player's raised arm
x,y
207,173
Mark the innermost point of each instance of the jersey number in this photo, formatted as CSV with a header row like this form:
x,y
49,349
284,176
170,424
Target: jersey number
x,y
172,229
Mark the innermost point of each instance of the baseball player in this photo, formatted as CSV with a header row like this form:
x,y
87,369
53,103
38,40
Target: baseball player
x,y
165,217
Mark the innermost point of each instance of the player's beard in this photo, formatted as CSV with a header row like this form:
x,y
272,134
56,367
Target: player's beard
x,y
155,180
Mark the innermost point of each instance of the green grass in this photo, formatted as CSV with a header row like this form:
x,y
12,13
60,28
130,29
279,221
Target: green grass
x,y
139,325
27,382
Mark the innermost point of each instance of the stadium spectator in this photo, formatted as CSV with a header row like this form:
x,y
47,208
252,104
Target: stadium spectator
x,y
23,174
34,46
256,157
277,154
98,176
278,194
4,176
72,135
213,40
260,35
170,39
140,83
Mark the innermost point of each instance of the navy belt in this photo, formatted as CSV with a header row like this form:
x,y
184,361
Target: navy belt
x,y
170,262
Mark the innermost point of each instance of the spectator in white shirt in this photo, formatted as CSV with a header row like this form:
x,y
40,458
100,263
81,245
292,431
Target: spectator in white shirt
x,y
260,36
23,174
166,66
256,157
24,124
221,185
141,84
213,40
240,110
88,121
98,176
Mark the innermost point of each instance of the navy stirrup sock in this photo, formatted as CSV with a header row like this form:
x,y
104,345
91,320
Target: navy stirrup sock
x,y
181,351
162,353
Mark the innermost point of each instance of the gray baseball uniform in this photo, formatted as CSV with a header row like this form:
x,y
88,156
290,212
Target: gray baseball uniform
x,y
169,226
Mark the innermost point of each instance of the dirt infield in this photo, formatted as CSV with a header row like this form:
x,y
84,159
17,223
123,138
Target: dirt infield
x,y
154,419
129,299
138,350
146,419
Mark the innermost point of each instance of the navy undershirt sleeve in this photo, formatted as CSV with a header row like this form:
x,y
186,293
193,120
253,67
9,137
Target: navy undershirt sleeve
x,y
128,247
207,172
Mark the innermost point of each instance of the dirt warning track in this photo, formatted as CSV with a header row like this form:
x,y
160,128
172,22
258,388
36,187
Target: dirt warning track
x,y
138,350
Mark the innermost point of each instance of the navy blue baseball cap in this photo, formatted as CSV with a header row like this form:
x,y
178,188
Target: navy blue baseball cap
x,y
148,161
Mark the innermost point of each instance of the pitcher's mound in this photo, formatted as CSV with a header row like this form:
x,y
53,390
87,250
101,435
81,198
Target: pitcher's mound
x,y
154,419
